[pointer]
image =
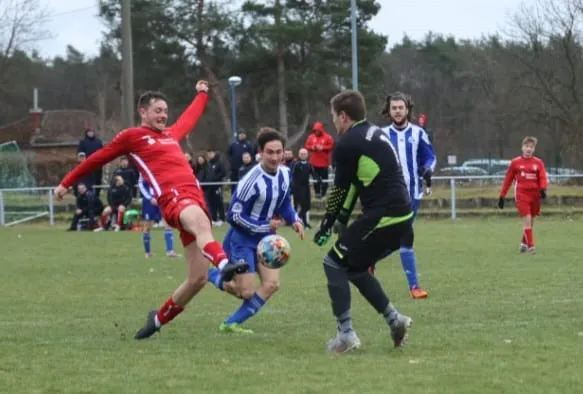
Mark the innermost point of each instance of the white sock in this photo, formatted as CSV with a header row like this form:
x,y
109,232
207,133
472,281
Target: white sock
x,y
157,322
222,264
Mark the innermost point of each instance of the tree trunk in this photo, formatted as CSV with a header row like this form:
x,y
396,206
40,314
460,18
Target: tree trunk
x,y
282,96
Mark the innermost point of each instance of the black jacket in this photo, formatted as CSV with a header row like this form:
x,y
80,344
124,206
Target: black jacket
x,y
89,145
236,150
215,171
244,169
119,195
301,171
130,175
89,204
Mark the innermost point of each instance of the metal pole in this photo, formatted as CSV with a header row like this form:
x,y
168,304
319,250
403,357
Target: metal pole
x,y
233,111
452,199
2,217
51,208
354,45
127,64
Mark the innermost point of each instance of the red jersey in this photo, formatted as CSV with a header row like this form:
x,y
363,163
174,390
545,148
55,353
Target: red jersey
x,y
529,173
157,155
319,158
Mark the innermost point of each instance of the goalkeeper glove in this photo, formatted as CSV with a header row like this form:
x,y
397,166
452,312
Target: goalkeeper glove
x,y
427,177
501,203
325,231
543,193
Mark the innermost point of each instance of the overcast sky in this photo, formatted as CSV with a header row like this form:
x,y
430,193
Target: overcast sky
x,y
76,22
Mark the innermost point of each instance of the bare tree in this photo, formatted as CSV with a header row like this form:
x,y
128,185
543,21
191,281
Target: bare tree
x,y
552,62
21,24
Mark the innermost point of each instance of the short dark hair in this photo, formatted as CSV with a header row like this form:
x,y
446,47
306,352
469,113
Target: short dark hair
x,y
268,134
146,98
398,96
351,102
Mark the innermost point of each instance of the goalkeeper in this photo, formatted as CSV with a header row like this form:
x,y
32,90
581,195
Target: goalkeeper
x,y
366,165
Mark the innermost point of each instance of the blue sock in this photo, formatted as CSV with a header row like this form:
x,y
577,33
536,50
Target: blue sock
x,y
408,262
146,239
247,310
169,238
215,278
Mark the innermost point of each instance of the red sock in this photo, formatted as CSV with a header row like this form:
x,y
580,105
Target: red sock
x,y
103,220
119,218
168,311
215,253
529,237
523,238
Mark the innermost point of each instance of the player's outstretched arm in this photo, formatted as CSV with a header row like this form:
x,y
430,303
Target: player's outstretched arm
x,y
120,145
189,118
291,216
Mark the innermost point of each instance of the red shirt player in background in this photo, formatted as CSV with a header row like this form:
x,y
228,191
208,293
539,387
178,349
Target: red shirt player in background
x,y
155,150
531,186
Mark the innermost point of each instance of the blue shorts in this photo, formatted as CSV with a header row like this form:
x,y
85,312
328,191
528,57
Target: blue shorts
x,y
150,212
241,246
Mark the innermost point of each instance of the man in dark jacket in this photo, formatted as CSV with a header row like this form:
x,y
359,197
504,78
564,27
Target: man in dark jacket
x,y
301,171
235,152
88,181
87,207
248,164
215,172
89,145
119,198
129,174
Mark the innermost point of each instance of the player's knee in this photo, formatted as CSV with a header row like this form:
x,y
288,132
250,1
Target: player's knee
x,y
246,293
195,220
197,280
271,286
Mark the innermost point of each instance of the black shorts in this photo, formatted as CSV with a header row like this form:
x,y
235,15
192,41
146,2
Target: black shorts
x,y
368,238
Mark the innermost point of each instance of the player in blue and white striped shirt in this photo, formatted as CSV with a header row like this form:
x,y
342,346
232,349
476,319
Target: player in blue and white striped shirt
x,y
261,195
151,214
418,161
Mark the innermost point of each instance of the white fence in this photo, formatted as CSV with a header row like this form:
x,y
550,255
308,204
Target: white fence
x,y
27,204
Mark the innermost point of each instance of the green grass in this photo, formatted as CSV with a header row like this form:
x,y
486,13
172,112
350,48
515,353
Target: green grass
x,y
495,322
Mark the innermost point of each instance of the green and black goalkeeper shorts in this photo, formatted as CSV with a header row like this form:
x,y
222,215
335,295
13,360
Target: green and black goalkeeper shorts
x,y
368,238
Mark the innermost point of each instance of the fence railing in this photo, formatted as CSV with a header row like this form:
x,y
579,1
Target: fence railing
x,y
20,205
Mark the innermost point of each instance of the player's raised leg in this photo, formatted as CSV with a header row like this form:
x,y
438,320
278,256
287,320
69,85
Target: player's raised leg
x,y
195,281
195,221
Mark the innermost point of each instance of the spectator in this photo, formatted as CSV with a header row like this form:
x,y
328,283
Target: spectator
x,y
214,193
89,145
88,181
319,146
119,198
235,152
129,174
192,164
87,207
288,157
247,165
301,171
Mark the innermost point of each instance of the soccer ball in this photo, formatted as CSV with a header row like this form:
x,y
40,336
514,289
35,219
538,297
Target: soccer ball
x,y
273,251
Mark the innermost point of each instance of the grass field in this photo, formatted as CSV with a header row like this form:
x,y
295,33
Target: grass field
x,y
495,322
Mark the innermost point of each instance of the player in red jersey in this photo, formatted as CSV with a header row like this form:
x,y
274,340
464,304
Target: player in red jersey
x,y
531,186
155,150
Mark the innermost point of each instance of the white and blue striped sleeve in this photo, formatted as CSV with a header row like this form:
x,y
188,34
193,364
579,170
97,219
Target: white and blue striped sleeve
x,y
144,189
427,159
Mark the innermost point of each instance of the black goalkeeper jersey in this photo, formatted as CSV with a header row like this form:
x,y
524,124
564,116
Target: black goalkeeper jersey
x,y
365,158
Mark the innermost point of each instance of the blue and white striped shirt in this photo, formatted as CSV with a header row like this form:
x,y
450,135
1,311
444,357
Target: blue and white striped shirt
x,y
260,196
415,154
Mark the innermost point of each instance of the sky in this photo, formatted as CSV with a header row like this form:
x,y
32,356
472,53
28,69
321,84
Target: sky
x,y
76,22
